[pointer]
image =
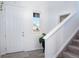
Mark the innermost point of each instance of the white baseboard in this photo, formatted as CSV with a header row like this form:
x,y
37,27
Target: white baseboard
x,y
63,46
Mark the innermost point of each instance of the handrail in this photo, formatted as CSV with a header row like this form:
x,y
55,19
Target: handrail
x,y
59,26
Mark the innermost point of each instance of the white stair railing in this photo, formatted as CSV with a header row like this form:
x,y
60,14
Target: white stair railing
x,y
56,39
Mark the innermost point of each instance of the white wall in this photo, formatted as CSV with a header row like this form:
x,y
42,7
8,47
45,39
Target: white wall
x,y
60,38
56,42
30,40
49,12
55,9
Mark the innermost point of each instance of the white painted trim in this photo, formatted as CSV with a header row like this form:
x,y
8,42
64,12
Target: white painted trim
x,y
51,33
63,46
64,13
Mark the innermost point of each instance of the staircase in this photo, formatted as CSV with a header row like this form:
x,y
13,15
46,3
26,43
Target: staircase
x,y
72,49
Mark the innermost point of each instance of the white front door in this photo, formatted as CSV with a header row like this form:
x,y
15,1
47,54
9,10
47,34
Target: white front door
x,y
14,29
2,33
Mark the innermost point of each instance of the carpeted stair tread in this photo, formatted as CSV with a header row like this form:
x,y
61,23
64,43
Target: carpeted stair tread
x,y
76,40
68,54
73,47
77,35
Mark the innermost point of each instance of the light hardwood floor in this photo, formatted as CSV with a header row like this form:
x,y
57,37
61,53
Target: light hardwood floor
x,y
25,54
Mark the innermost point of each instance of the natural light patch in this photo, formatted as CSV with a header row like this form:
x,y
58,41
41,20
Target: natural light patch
x,y
36,21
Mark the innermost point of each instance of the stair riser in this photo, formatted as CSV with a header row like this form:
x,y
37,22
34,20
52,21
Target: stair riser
x,y
74,50
75,43
77,32
67,56
77,36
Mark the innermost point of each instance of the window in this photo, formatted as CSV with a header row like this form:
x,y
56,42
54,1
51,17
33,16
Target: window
x,y
36,21
62,17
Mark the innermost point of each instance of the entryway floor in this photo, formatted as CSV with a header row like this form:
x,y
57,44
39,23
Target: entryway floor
x,y
25,54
